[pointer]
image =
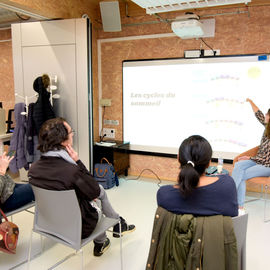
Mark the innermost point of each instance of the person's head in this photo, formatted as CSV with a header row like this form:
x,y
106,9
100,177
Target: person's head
x,y
267,122
55,134
41,83
194,156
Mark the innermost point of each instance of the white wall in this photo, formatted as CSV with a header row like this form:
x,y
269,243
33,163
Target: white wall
x,y
57,48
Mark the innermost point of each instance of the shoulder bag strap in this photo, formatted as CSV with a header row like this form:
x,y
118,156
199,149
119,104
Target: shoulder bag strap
x,y
3,215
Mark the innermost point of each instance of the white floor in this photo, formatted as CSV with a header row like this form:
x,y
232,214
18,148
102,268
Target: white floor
x,y
136,202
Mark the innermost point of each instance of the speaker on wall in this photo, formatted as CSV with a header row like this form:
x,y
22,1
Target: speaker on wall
x,y
110,15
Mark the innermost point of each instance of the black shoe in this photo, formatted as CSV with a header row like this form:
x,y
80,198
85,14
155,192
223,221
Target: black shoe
x,y
100,248
125,228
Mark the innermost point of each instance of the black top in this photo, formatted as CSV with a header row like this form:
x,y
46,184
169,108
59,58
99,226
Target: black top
x,y
218,198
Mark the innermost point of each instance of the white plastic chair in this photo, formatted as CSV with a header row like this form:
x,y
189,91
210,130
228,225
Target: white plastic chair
x,y
240,230
58,217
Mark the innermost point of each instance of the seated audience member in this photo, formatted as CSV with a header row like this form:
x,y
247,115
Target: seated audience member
x,y
61,169
249,167
12,195
197,193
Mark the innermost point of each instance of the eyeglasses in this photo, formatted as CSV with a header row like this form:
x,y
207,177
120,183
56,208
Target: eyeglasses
x,y
72,131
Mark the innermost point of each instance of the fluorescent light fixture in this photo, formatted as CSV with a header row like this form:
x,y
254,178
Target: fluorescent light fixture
x,y
188,29
154,6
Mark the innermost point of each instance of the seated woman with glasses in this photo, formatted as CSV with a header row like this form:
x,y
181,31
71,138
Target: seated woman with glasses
x,y
61,169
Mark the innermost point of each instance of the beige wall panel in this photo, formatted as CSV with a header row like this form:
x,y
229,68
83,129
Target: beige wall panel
x,y
67,61
47,33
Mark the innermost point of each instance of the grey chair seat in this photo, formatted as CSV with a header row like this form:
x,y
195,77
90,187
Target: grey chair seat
x,y
58,217
23,208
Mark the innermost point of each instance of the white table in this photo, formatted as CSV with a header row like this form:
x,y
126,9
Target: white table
x,y
4,138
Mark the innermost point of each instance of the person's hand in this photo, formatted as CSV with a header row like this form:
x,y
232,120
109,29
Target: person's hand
x,y
4,162
244,158
248,100
72,153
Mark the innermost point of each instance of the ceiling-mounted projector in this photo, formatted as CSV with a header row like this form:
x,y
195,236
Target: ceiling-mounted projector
x,y
188,26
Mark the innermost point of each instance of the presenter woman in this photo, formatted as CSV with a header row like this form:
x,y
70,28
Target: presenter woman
x,y
249,167
195,192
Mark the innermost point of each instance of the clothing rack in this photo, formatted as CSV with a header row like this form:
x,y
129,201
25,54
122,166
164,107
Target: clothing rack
x,y
26,101
53,87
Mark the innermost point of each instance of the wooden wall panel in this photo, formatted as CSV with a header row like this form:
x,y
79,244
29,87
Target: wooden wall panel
x,y
6,70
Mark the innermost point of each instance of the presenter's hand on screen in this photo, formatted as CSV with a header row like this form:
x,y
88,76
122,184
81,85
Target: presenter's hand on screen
x,y
253,106
244,158
72,153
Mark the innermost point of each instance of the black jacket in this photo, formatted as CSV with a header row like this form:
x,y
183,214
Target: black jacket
x,y
43,110
54,173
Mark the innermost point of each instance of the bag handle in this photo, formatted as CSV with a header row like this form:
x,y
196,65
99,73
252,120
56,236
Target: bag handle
x,y
105,159
3,215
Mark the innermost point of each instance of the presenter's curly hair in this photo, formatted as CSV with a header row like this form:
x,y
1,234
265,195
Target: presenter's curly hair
x,y
194,156
52,133
267,128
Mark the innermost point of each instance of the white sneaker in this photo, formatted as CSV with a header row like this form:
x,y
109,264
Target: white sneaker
x,y
241,211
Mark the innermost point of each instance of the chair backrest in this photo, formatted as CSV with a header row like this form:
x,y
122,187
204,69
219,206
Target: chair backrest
x,y
58,213
240,230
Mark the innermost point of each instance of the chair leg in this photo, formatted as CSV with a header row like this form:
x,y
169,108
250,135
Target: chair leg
x,y
81,251
265,203
29,251
121,254
63,260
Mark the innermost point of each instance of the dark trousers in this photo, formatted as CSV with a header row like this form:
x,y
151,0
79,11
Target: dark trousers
x,y
22,195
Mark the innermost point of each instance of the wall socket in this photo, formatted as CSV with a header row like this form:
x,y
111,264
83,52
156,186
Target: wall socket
x,y
111,122
110,133
105,102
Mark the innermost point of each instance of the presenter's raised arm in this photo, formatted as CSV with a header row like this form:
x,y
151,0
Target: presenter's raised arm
x,y
253,106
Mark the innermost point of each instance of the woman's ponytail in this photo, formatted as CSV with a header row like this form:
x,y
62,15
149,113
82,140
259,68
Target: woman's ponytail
x,y
194,156
188,179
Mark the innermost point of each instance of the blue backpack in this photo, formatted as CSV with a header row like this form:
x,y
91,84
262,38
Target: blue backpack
x,y
105,174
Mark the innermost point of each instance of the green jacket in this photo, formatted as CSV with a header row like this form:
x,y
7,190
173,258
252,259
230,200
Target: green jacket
x,y
185,242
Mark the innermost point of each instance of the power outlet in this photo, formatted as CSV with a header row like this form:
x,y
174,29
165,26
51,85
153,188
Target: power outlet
x,y
111,122
105,102
110,133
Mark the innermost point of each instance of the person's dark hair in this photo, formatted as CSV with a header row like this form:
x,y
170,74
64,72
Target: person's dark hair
x,y
52,133
267,128
194,156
